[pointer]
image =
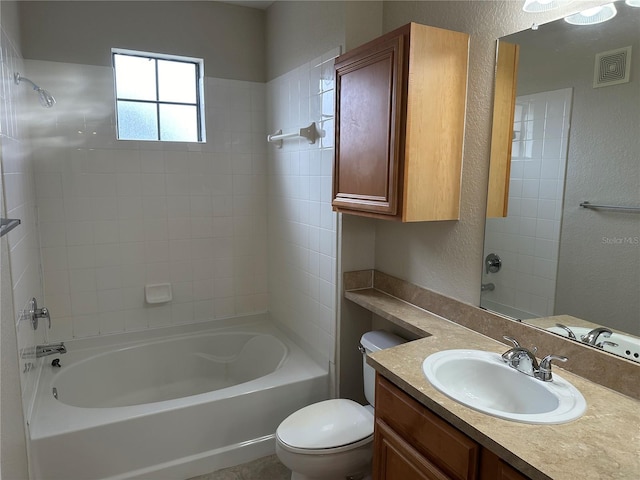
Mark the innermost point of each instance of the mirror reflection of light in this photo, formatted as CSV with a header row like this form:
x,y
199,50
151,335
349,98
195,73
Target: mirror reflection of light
x,y
593,15
535,6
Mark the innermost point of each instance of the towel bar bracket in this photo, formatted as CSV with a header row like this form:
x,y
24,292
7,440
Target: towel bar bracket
x,y
310,133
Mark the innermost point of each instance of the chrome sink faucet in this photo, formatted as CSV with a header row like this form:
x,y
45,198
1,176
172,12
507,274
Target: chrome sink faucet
x,y
520,358
570,333
592,337
525,361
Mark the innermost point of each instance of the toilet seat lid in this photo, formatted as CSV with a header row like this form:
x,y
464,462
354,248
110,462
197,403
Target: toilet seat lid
x,y
328,424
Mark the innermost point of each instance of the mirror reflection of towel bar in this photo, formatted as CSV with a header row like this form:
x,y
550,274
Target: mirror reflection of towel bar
x,y
610,207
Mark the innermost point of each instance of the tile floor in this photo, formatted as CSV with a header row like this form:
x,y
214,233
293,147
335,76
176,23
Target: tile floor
x,y
265,468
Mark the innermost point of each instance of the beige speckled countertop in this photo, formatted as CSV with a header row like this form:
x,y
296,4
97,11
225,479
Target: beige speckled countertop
x,y
603,444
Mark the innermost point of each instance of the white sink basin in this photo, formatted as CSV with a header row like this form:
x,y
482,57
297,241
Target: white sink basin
x,y
628,347
482,381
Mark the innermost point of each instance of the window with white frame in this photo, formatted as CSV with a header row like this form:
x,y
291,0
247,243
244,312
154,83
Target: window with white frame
x,y
158,97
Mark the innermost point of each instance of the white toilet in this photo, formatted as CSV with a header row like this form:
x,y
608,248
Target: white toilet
x,y
333,439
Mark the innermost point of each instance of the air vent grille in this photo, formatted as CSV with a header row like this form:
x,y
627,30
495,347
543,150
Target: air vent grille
x,y
612,67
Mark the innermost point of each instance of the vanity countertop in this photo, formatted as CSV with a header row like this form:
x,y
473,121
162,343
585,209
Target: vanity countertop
x,y
567,320
603,444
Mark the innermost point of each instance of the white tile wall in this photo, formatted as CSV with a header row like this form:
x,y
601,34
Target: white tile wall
x,y
116,215
527,240
302,225
19,201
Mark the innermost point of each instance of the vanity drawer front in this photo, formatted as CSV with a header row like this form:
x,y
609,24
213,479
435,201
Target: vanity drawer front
x,y
493,467
449,449
396,459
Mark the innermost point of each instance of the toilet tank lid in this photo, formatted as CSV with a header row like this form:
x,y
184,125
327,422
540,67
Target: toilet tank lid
x,y
379,340
327,424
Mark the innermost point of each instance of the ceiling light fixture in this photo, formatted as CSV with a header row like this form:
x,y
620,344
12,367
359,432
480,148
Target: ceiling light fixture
x,y
537,6
593,15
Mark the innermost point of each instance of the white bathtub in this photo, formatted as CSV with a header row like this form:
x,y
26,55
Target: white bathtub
x,y
169,404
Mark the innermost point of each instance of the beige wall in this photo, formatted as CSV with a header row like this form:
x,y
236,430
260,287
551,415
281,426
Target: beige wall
x,y
447,256
442,256
300,31
229,38
598,263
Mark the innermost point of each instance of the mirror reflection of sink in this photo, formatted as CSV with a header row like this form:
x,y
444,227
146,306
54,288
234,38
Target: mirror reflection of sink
x,y
482,381
628,347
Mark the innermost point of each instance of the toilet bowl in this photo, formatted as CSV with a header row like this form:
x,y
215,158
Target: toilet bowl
x,y
333,439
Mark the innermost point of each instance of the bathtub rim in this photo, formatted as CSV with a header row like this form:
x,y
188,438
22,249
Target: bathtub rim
x,y
157,343
186,329
48,413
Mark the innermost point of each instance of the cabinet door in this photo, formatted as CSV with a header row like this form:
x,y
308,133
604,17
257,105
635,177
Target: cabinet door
x,y
395,459
493,467
442,444
502,131
368,125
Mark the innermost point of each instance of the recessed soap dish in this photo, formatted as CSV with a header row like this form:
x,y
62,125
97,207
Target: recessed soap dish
x,y
158,293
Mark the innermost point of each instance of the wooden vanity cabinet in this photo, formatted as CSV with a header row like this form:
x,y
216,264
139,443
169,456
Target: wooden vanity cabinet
x,y
492,467
400,112
412,443
408,436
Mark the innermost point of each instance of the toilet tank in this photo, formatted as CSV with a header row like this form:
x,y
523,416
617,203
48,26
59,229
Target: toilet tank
x,y
373,342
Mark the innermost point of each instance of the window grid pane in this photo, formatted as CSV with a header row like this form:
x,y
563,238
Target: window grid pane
x,y
157,99
178,123
135,78
137,120
176,82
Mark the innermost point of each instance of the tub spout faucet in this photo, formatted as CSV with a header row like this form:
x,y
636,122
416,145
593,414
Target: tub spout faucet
x,y
50,349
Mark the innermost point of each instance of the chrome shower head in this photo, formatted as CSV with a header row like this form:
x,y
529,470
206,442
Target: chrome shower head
x,y
46,99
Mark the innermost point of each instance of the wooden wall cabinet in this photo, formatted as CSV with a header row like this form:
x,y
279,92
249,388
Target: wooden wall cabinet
x,y
412,443
504,103
400,113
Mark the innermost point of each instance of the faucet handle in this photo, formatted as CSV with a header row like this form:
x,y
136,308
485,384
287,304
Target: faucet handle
x,y
570,333
545,366
516,344
44,313
512,340
35,313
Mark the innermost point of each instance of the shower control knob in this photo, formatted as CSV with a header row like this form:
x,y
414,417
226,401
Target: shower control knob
x,y
56,363
36,313
493,263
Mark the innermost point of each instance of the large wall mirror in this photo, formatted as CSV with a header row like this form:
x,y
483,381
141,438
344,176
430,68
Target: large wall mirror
x,y
575,139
